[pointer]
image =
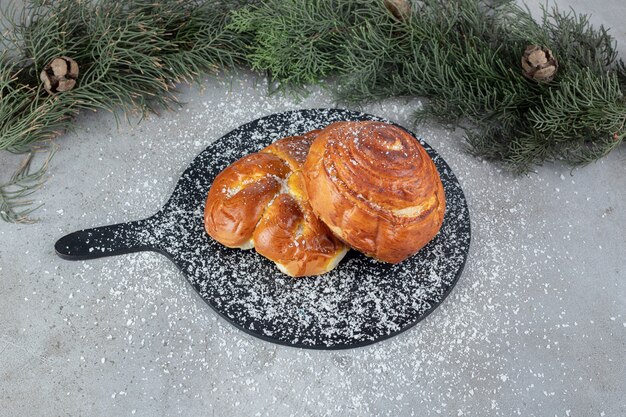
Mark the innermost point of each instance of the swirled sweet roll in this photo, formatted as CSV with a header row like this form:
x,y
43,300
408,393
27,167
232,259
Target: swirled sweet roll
x,y
375,187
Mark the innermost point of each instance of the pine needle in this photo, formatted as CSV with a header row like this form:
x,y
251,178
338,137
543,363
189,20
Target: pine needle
x,y
462,55
14,207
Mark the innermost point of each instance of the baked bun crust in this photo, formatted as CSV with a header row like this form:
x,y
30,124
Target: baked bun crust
x,y
375,187
260,201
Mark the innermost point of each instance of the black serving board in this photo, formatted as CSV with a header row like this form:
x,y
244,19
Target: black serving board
x,y
360,302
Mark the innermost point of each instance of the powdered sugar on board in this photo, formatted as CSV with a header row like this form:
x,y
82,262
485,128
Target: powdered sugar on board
x,y
360,302
534,327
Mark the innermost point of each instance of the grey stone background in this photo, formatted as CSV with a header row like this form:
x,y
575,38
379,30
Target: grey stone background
x,y
535,327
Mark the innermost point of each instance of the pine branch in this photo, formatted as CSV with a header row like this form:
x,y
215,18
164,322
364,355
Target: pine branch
x,y
130,54
462,55
297,42
14,208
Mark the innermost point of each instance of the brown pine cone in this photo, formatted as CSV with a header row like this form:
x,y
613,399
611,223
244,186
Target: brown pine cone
x,y
401,9
539,64
59,75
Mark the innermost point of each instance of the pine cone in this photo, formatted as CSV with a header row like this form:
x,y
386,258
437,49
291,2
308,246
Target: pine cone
x,y
401,9
59,75
538,64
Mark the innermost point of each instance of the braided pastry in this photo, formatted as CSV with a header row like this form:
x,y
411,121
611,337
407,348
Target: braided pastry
x,y
260,201
376,188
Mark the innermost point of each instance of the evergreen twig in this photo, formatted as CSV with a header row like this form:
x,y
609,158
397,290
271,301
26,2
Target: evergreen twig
x,y
131,56
14,208
462,55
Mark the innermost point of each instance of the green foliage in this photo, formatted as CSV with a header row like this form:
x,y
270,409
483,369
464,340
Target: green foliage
x,y
462,55
131,55
24,182
297,42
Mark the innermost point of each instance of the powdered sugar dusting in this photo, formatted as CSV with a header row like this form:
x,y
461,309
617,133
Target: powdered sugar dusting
x,y
534,327
359,302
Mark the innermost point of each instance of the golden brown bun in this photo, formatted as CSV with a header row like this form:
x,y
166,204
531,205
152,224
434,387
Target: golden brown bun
x,y
260,201
376,188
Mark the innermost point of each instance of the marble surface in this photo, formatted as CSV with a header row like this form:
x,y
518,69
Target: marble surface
x,y
535,327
